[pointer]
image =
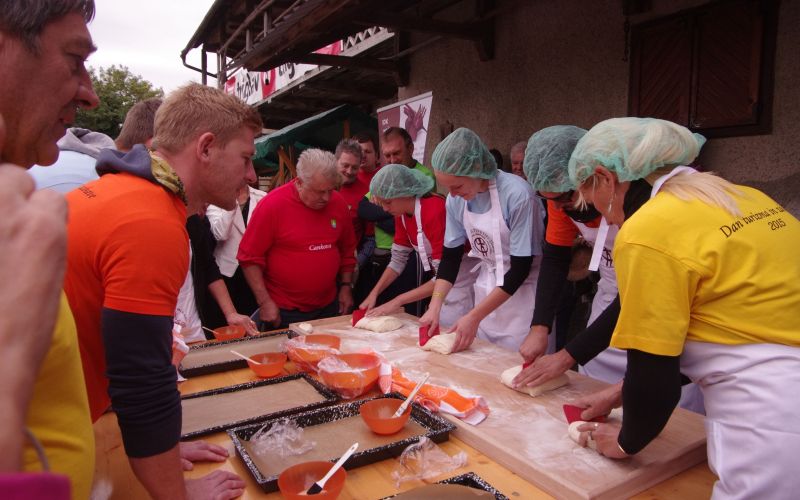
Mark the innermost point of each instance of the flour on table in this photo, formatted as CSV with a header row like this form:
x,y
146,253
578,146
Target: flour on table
x,y
379,324
508,376
442,343
306,327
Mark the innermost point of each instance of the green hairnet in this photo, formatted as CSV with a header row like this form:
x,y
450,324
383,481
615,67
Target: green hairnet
x,y
547,156
633,148
463,153
395,181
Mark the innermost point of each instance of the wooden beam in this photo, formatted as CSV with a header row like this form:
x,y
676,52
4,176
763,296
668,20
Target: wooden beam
x,y
346,62
401,22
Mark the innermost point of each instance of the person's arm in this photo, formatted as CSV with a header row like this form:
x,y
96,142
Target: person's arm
x,y
373,213
31,270
347,250
650,392
219,291
145,397
256,242
596,337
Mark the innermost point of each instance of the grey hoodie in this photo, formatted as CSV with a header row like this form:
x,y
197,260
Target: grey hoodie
x,y
85,141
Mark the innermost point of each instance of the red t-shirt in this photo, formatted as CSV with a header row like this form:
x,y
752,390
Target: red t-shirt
x,y
433,222
561,230
127,250
299,250
352,194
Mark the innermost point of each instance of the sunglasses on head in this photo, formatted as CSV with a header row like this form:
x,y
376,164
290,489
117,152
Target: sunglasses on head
x,y
562,198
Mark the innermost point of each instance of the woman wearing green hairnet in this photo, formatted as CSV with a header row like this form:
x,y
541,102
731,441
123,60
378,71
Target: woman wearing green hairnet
x,y
709,282
496,213
419,221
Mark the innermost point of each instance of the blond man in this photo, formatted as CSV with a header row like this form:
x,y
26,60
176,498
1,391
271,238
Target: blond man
x,y
127,259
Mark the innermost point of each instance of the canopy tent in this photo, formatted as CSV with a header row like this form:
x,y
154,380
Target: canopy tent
x,y
277,152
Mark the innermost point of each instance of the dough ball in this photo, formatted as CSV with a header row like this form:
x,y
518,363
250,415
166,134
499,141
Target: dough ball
x,y
442,343
575,434
305,327
379,324
508,376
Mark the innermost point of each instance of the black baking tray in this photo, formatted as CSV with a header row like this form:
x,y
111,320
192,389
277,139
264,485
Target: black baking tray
x,y
330,399
471,480
232,364
438,430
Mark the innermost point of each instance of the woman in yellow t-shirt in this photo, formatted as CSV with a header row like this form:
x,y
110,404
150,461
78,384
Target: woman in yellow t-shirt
x,y
709,281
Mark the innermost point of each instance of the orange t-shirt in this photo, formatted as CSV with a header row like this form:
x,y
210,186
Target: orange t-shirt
x,y
127,250
561,230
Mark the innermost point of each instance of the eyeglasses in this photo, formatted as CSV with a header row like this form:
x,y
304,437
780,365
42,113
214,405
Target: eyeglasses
x,y
562,198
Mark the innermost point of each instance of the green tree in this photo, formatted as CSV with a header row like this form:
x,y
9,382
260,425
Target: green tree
x,y
118,90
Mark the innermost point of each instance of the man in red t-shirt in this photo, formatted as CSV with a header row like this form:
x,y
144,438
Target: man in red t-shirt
x,y
298,251
348,160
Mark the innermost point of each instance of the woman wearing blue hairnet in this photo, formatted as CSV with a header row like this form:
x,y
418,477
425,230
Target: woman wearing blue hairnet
x,y
709,282
419,221
496,213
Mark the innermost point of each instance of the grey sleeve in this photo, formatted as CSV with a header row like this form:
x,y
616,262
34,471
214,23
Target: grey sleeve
x,y
399,258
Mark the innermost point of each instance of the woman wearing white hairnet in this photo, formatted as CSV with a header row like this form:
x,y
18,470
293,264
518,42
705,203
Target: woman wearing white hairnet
x,y
709,281
419,221
546,158
496,213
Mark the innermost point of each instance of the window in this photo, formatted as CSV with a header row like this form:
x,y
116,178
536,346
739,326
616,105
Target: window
x,y
710,68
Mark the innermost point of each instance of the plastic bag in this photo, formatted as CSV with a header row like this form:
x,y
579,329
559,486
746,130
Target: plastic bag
x,y
284,438
425,461
306,355
348,381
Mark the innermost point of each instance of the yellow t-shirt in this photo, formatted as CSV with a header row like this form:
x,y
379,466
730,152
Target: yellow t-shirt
x,y
58,415
691,271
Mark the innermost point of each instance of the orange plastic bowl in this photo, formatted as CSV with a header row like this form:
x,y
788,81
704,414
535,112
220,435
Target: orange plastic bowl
x,y
359,378
271,364
229,332
377,414
297,479
319,346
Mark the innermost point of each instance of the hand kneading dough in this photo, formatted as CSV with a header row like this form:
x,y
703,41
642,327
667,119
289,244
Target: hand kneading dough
x,y
538,390
575,434
379,324
442,343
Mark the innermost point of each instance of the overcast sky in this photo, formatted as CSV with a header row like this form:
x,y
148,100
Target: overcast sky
x,y
147,36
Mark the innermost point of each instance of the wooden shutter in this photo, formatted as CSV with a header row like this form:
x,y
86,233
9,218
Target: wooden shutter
x,y
661,71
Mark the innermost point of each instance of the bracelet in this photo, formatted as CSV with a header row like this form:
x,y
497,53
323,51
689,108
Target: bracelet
x,y
437,294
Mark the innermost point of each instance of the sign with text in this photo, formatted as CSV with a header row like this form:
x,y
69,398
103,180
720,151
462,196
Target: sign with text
x,y
411,114
255,86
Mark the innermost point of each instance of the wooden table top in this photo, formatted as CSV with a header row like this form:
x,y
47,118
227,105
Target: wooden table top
x,y
115,480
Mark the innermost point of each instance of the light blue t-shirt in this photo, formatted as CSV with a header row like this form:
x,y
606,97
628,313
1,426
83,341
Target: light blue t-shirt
x,y
522,212
71,170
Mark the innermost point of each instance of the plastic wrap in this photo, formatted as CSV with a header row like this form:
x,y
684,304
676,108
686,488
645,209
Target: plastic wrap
x,y
425,461
284,438
347,380
306,355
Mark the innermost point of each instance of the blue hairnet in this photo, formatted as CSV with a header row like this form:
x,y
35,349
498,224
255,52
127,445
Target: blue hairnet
x,y
633,148
547,156
396,181
462,153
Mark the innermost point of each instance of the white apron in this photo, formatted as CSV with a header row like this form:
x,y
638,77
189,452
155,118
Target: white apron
x,y
609,366
461,297
752,416
490,239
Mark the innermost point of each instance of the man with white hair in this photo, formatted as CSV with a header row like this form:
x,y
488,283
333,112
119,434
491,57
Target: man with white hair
x,y
297,253
517,155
